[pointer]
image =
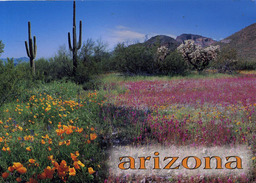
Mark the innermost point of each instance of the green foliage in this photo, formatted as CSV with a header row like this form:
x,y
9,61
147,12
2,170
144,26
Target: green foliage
x,y
13,81
226,61
1,47
246,64
138,59
173,64
57,68
95,57
134,59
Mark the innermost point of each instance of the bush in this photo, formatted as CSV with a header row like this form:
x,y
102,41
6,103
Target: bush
x,y
226,61
14,81
173,64
134,59
246,65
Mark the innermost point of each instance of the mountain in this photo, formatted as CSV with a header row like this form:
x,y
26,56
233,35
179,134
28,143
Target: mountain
x,y
199,40
172,44
17,60
244,41
162,40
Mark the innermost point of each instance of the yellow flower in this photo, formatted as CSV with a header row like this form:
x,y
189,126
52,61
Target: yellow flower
x,y
32,161
17,165
72,171
90,170
28,148
80,163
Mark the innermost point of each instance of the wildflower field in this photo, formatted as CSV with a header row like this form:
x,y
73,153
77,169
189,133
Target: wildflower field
x,y
60,133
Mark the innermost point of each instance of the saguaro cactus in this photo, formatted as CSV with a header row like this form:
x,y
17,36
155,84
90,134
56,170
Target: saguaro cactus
x,y
31,49
76,46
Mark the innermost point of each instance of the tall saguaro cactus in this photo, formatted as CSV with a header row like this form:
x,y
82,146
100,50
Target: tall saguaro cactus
x,y
76,46
31,49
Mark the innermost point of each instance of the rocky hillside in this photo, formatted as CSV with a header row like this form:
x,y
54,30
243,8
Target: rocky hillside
x,y
162,40
199,40
244,41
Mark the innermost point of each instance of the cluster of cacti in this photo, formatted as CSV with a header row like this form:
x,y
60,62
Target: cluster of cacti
x,y
197,56
31,49
162,52
76,46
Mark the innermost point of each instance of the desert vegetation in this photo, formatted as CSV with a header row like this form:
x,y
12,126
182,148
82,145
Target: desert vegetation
x,y
59,121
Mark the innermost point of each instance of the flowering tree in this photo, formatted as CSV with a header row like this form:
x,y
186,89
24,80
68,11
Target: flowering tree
x,y
197,56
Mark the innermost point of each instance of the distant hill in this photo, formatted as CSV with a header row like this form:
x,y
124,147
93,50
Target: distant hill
x,y
17,60
199,40
244,41
172,43
162,40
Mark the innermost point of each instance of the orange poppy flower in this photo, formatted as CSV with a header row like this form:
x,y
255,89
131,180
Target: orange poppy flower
x,y
42,176
74,157
31,180
77,153
22,170
5,175
80,163
67,142
93,136
32,161
72,171
90,170
18,179
50,157
17,165
49,172
10,168
28,148
76,165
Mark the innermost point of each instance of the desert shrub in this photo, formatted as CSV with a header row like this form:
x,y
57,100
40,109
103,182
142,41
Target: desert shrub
x,y
226,61
14,80
95,57
134,59
246,64
60,65
173,64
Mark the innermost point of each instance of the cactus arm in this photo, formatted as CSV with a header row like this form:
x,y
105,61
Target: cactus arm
x,y
69,42
80,35
26,45
35,47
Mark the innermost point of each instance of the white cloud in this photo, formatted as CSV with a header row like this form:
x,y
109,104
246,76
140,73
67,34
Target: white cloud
x,y
125,34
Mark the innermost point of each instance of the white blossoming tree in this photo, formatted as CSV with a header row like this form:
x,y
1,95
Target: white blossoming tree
x,y
197,56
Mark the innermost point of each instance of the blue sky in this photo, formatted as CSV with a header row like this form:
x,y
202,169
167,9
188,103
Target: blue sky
x,y
118,21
